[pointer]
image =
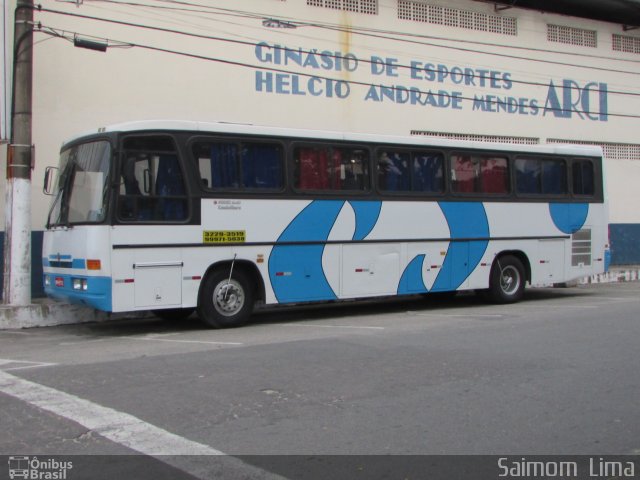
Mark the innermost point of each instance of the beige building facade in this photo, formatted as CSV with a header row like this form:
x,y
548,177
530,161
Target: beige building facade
x,y
459,69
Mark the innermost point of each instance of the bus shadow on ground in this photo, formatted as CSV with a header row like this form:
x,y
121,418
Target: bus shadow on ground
x,y
265,315
435,302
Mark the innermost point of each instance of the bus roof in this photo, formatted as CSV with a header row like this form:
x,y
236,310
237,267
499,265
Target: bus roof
x,y
249,129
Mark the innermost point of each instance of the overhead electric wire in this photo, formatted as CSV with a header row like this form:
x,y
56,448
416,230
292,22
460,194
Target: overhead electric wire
x,y
254,44
357,30
495,54
215,11
61,34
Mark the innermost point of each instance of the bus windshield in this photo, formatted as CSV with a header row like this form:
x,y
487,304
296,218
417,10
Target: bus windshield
x,y
81,191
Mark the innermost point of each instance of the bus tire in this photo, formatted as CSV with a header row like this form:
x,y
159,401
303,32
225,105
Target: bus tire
x,y
507,280
225,302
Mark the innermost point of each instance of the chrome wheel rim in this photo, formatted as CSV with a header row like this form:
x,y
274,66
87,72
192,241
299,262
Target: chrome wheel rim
x,y
228,297
509,280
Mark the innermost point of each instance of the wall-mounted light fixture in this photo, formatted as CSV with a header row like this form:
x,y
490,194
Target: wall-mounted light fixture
x,y
97,45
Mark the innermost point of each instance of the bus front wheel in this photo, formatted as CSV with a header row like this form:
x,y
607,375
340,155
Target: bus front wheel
x,y
506,282
225,301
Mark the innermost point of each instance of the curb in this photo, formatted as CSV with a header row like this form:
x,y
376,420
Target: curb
x,y
45,312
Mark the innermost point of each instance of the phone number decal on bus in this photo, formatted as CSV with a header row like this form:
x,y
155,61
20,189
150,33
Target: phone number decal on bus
x,y
223,236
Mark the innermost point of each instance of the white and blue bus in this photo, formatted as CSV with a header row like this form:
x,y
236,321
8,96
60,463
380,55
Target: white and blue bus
x,y
181,216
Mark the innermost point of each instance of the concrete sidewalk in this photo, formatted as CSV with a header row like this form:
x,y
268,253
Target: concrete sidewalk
x,y
44,312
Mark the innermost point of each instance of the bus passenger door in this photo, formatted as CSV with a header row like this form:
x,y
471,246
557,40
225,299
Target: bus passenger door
x,y
158,284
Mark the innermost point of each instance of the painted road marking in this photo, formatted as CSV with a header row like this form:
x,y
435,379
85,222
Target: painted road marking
x,y
29,364
461,315
121,428
329,326
82,342
118,427
151,338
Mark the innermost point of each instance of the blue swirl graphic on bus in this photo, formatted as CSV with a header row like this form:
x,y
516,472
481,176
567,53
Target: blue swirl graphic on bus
x,y
569,217
411,280
296,271
367,214
469,231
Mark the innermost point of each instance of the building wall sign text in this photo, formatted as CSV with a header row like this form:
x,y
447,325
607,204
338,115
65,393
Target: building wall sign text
x,y
432,85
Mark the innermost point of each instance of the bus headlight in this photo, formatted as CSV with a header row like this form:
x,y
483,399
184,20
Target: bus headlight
x,y
47,281
79,283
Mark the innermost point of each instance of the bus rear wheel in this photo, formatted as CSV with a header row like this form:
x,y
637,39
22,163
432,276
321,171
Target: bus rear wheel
x,y
225,301
507,279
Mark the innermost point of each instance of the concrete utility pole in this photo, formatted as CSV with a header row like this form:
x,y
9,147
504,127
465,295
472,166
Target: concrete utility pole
x,y
17,234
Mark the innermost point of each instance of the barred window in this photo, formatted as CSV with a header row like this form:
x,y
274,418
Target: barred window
x,y
572,36
479,138
418,11
612,151
360,6
625,43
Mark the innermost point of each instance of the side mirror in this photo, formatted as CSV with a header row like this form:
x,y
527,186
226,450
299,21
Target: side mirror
x,y
50,175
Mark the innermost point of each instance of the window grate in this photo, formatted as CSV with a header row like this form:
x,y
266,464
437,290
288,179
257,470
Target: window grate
x,y
438,15
625,43
612,151
359,6
479,138
572,36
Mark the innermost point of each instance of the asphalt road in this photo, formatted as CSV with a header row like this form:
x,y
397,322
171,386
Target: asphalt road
x,y
556,374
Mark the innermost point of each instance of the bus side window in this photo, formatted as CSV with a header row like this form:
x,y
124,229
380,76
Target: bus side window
x,y
528,176
494,175
464,172
393,171
262,166
479,174
583,178
541,176
554,177
169,183
132,189
427,172
152,187
224,165
350,169
312,168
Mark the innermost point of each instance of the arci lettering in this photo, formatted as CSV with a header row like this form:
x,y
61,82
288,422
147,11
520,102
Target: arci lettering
x,y
570,99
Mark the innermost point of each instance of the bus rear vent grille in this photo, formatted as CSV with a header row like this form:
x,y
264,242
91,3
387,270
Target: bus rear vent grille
x,y
581,248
